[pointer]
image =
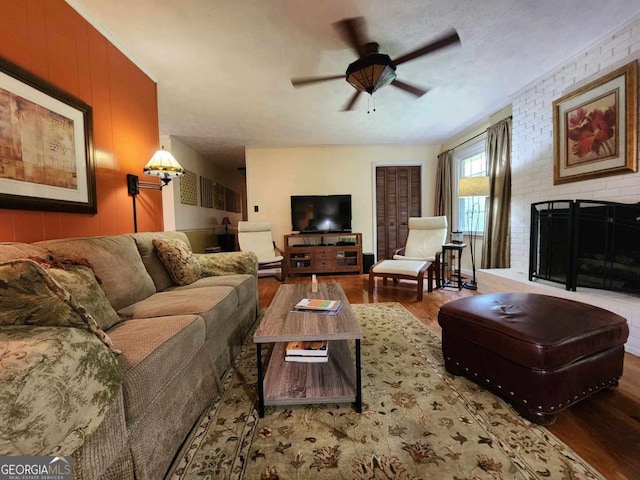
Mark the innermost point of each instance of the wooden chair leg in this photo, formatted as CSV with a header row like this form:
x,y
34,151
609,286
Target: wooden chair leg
x,y
420,287
372,280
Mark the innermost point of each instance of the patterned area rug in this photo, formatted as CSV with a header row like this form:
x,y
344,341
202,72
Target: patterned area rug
x,y
418,422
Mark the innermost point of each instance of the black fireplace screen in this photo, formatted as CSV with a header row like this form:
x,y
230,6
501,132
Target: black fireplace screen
x,y
586,243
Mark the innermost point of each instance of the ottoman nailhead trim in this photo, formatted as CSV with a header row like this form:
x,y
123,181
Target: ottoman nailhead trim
x,y
553,408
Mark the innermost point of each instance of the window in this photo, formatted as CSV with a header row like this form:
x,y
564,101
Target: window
x,y
470,162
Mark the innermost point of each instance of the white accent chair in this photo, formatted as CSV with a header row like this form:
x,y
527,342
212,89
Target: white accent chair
x,y
424,242
256,237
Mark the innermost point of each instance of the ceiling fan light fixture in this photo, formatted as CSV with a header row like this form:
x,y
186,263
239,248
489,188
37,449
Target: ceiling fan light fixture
x,y
371,73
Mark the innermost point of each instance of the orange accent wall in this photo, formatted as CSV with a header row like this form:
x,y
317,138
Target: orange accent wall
x,y
51,40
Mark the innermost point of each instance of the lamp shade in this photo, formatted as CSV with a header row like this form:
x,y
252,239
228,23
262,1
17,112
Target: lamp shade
x,y
163,165
372,72
226,221
473,187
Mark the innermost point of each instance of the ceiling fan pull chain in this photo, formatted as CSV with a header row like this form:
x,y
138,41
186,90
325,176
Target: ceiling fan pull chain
x,y
369,98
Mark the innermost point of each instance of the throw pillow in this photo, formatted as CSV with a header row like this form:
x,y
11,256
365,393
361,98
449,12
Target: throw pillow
x,y
178,260
30,296
56,386
78,278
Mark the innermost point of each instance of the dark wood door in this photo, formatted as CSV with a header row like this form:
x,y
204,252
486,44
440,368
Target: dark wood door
x,y
398,197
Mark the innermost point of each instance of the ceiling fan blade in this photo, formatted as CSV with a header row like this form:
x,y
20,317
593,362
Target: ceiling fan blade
x,y
304,81
349,105
418,92
448,38
352,31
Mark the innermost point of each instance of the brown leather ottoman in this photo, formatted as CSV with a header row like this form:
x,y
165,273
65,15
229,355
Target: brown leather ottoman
x,y
541,353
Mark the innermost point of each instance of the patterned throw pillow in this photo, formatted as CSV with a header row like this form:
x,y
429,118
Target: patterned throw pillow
x,y
178,260
30,296
80,281
56,386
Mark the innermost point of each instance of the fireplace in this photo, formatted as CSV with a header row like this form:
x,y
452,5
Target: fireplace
x,y
586,243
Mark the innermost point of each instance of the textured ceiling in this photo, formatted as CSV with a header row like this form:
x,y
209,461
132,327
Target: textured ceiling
x,y
224,67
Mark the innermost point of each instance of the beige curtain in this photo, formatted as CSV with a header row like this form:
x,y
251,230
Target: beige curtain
x,y
444,186
496,247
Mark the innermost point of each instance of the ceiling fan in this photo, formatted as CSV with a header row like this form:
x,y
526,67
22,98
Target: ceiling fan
x,y
373,70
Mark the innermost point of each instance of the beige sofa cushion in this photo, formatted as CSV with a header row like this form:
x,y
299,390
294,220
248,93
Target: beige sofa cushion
x,y
246,285
115,260
56,385
153,350
214,304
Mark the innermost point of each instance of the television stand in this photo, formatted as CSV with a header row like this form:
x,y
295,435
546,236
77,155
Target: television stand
x,y
310,253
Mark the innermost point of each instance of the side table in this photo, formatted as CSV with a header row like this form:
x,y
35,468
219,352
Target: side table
x,y
452,277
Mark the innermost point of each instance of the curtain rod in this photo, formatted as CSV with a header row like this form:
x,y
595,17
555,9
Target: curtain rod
x,y
469,139
476,136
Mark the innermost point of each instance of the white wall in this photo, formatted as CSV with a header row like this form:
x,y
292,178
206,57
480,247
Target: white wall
x,y
274,174
179,216
532,157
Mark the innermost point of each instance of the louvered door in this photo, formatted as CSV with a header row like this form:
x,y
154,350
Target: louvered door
x,y
398,197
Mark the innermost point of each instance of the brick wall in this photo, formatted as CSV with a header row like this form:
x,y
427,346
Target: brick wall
x,y
532,160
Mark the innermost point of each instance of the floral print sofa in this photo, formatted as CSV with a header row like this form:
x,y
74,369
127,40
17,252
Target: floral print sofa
x,y
111,347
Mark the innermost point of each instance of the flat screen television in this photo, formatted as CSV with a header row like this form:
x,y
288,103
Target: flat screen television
x,y
321,213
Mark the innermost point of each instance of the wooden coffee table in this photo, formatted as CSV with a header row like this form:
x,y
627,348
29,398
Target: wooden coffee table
x,y
294,383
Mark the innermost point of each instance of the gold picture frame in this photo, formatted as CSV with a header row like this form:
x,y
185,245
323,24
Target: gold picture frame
x,y
595,128
46,146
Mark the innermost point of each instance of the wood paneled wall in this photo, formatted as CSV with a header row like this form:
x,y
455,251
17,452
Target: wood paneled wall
x,y
51,40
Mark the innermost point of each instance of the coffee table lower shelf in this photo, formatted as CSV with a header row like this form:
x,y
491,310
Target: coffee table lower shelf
x,y
296,383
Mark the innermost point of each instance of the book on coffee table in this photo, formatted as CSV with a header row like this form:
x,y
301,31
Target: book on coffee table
x,y
306,359
310,348
318,305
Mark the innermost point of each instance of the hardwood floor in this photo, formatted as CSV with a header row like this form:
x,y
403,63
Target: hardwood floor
x,y
603,429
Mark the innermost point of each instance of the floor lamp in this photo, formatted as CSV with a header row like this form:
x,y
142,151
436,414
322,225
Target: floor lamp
x,y
473,187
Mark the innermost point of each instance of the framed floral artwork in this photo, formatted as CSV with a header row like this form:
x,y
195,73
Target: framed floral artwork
x,y
46,151
595,128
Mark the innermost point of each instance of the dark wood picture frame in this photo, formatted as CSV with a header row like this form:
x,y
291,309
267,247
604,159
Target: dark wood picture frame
x,y
75,190
595,128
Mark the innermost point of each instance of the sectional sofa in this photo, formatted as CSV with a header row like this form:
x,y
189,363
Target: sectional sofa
x,y
175,342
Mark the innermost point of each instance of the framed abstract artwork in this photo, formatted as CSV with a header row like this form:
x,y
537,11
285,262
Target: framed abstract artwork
x,y
595,128
46,151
